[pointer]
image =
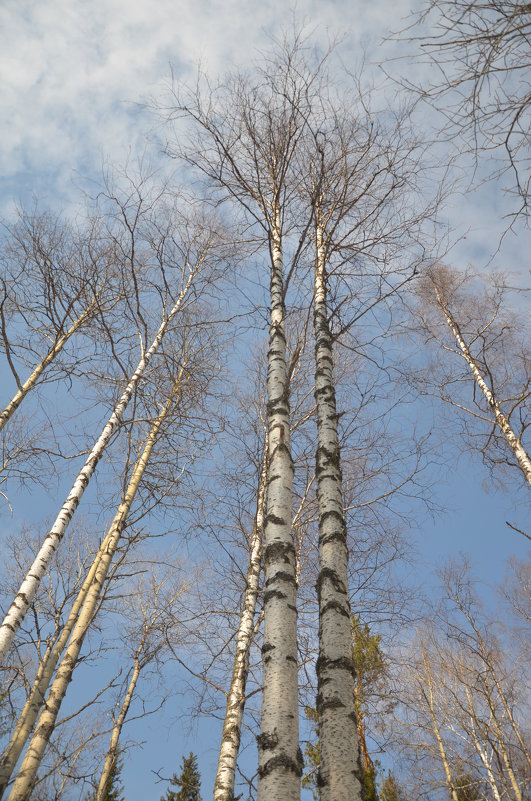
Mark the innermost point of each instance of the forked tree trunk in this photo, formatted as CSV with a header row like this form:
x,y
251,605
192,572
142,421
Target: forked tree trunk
x,y
279,756
30,382
521,455
23,784
29,586
339,762
232,725
35,699
480,749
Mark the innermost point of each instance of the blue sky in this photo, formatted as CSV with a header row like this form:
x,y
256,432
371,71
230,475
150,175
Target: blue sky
x,y
73,80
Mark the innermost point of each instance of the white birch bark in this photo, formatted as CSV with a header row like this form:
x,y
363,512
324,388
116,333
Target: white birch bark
x,y
339,755
35,699
427,692
232,725
29,586
23,783
30,382
521,455
279,756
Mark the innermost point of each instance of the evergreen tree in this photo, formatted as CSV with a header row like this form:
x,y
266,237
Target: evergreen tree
x,y
114,790
188,783
389,790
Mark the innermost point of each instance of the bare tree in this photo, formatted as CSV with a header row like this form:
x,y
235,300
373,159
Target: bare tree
x,y
480,55
472,320
193,249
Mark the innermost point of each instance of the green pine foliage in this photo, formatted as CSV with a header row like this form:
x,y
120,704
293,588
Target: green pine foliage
x,y
389,789
188,783
114,790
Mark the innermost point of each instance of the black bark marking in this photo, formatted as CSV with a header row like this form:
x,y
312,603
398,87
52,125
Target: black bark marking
x,y
279,551
282,761
337,607
328,574
343,663
281,576
267,741
270,594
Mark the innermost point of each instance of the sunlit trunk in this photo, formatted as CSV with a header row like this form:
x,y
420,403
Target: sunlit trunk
x,y
230,738
24,782
339,765
30,382
29,586
279,756
521,455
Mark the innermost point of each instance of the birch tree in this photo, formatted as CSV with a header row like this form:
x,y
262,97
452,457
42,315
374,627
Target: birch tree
x,y
243,140
56,280
153,603
194,250
470,320
28,770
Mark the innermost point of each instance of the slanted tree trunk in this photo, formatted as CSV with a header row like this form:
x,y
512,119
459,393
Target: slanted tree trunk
x,y
339,765
23,784
28,588
479,748
231,735
35,699
427,693
30,382
279,756
112,753
521,455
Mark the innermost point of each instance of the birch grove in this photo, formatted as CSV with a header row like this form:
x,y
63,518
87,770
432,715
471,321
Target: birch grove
x,y
27,590
239,371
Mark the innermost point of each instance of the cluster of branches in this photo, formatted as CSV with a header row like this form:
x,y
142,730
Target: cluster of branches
x,y
295,506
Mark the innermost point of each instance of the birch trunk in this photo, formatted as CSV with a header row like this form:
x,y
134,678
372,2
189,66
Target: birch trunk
x,y
279,756
479,749
231,734
29,586
30,382
442,751
23,784
339,762
521,455
35,700
112,753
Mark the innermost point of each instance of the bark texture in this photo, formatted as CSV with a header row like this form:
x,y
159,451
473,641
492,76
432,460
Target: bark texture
x,y
232,725
279,755
29,586
339,766
23,784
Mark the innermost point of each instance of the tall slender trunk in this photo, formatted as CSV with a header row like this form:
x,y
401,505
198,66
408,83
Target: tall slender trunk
x,y
521,455
339,766
29,586
479,748
23,784
427,692
230,738
30,382
279,756
42,681
112,752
